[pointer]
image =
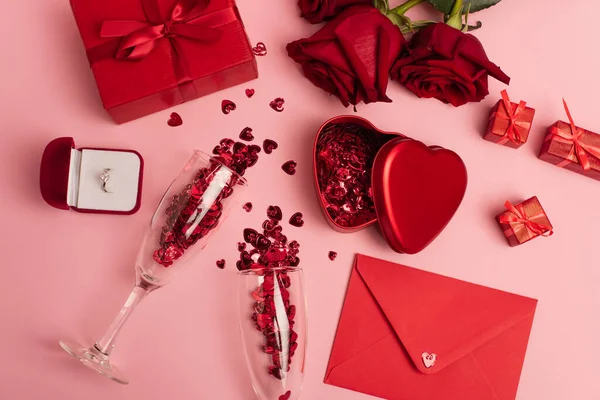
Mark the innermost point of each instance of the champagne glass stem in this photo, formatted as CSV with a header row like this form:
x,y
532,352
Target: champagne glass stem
x,y
107,342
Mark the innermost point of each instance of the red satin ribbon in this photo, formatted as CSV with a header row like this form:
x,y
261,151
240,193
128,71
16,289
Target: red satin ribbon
x,y
579,149
138,38
512,132
517,216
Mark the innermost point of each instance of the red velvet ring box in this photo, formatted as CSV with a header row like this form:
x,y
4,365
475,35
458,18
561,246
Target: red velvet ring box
x,y
70,178
149,55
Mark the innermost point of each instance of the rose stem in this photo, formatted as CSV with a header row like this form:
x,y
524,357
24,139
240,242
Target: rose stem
x,y
404,7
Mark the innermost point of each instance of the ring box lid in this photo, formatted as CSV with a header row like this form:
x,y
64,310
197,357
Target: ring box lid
x,y
70,178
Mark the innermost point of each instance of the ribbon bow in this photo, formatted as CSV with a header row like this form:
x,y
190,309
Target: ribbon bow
x,y
579,149
517,216
512,133
140,37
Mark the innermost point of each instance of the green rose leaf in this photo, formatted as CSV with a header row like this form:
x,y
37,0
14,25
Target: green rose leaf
x,y
445,6
382,5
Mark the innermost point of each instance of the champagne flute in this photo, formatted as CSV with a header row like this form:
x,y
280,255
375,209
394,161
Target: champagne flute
x,y
190,210
272,317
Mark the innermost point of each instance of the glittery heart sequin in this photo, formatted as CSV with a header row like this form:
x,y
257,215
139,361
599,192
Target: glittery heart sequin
x,y
285,396
248,207
289,167
269,145
429,359
175,120
332,255
296,220
250,93
227,106
260,49
246,134
221,264
274,212
277,104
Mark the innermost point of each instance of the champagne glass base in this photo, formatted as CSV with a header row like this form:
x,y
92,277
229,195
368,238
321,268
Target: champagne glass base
x,y
94,359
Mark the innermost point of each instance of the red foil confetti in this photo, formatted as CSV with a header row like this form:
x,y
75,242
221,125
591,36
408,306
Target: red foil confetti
x,y
296,220
175,120
272,251
274,213
345,154
179,233
277,104
332,255
248,207
286,395
221,264
241,246
289,167
227,106
269,145
260,49
246,134
250,93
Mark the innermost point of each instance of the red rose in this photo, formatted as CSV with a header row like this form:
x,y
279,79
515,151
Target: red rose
x,y
447,64
317,10
351,56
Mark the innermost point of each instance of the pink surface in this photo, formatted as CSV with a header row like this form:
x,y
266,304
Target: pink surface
x,y
66,274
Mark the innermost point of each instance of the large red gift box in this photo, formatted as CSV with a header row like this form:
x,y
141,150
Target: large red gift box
x,y
149,55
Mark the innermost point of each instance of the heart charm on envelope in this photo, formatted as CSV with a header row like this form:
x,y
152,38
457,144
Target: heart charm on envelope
x,y
429,359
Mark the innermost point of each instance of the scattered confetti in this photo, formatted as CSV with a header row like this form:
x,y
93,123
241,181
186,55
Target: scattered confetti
x,y
249,93
246,134
175,120
289,167
332,255
296,220
227,106
221,264
248,207
260,49
277,104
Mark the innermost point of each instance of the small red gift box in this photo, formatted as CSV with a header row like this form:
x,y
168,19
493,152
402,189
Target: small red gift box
x,y
509,123
72,178
524,221
576,149
148,55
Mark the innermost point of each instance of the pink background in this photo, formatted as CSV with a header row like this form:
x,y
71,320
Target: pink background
x,y
65,274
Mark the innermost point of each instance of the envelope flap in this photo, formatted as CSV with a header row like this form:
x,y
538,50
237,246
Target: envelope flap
x,y
439,319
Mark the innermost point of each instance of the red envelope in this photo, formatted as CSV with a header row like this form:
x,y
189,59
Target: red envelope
x,y
407,334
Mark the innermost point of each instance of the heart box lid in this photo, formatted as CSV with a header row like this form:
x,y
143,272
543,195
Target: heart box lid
x,y
71,178
416,189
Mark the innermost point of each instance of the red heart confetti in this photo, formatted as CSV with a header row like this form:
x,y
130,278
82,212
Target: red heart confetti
x,y
277,104
241,246
269,145
272,258
221,264
296,220
332,255
260,49
249,93
246,134
175,120
248,207
285,396
274,212
227,106
289,167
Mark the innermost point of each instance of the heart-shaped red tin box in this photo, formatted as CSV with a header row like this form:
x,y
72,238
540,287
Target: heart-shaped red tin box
x,y
363,175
